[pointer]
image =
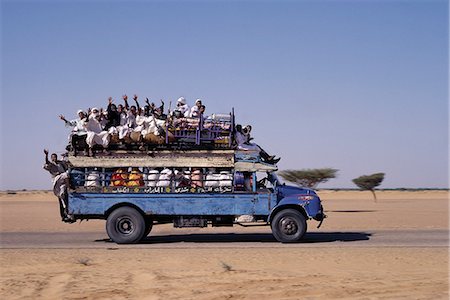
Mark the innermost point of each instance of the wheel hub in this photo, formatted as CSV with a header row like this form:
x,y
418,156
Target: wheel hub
x,y
125,225
288,226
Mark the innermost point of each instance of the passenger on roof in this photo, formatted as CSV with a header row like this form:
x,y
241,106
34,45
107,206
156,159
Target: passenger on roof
x,y
242,136
135,98
182,109
78,134
122,129
132,113
127,119
96,135
157,112
113,115
125,99
148,107
194,113
202,109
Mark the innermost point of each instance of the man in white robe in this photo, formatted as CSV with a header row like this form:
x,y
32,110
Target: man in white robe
x,y
77,136
95,133
182,108
195,110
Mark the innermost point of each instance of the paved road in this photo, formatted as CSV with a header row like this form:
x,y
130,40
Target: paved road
x,y
99,240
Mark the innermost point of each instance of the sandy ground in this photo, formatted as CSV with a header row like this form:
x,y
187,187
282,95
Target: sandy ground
x,y
233,272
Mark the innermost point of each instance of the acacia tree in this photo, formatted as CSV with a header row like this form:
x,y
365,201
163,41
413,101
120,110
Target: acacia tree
x,y
369,182
308,177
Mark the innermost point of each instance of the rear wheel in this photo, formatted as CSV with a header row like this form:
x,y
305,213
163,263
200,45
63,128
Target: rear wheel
x,y
125,225
288,226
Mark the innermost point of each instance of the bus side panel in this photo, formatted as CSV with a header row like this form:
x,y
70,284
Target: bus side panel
x,y
173,204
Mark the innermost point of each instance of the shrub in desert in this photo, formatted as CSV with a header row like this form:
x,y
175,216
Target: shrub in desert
x,y
369,182
310,178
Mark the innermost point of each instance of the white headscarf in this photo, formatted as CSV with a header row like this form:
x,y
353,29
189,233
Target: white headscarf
x,y
95,114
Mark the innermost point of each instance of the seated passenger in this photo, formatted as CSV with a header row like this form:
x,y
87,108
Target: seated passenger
x,y
136,132
243,138
113,115
195,110
201,110
127,120
122,129
153,131
78,134
182,109
95,133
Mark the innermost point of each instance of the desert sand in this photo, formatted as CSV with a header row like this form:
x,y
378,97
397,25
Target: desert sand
x,y
337,271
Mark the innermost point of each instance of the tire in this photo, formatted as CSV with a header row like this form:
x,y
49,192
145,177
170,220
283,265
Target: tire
x,y
288,226
148,227
125,225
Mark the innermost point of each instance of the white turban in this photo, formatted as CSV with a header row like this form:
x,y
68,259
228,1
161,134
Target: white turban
x,y
80,111
95,114
181,100
197,101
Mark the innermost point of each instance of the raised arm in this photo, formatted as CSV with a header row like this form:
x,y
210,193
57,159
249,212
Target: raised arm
x,y
46,156
68,123
148,107
162,106
125,99
110,101
135,97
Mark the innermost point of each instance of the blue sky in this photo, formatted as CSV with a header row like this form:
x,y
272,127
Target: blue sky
x,y
361,86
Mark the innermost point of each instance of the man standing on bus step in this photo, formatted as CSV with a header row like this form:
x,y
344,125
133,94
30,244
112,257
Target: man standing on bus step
x,y
60,179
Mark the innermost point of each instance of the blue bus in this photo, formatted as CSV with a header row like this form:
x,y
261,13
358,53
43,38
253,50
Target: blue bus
x,y
194,188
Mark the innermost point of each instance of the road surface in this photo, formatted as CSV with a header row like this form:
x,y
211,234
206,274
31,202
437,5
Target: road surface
x,y
197,239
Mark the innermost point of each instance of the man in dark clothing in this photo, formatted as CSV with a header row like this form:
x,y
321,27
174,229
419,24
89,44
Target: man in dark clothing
x,y
113,115
60,177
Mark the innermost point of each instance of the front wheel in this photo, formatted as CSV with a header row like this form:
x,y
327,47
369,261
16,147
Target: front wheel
x,y
125,225
288,226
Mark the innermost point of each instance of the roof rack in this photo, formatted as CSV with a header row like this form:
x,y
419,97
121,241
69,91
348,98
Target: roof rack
x,y
243,161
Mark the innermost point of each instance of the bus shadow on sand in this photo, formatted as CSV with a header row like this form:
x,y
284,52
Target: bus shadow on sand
x,y
313,237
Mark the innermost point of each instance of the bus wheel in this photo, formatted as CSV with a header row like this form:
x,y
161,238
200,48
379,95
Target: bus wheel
x,y
288,226
125,225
